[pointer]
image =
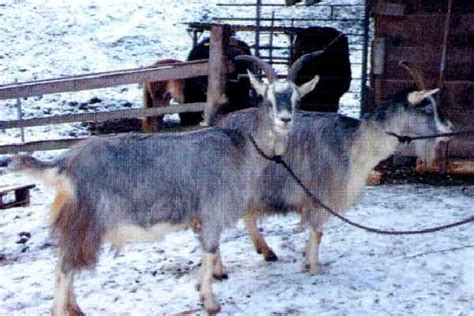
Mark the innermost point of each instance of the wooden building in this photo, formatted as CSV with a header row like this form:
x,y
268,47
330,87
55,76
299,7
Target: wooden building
x,y
437,36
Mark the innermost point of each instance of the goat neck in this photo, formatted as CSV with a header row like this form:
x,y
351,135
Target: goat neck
x,y
373,137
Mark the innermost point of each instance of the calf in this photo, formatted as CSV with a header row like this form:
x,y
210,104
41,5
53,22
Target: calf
x,y
158,94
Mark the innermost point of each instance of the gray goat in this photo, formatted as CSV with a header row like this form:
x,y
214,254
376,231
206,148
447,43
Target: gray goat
x,y
333,155
133,188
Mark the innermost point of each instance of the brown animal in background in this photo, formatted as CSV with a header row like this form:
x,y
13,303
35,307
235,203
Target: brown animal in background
x,y
158,94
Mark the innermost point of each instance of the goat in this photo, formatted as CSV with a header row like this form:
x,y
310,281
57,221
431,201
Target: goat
x,y
333,67
237,87
333,155
158,94
127,189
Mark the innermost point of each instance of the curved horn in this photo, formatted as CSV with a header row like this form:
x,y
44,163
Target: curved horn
x,y
415,73
266,67
298,64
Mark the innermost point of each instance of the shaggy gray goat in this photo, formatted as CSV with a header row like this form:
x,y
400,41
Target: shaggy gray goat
x,y
133,188
333,156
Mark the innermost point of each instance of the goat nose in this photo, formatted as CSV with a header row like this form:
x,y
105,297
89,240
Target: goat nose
x,y
285,119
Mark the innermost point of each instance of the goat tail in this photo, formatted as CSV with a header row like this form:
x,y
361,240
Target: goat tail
x,y
25,164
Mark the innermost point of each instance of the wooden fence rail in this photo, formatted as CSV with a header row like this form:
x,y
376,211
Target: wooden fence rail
x,y
217,63
102,116
105,79
95,81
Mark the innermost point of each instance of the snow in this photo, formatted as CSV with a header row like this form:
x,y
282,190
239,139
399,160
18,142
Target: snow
x,y
363,273
49,39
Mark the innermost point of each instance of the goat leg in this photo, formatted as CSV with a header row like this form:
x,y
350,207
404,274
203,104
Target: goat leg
x,y
258,241
311,261
64,299
205,288
219,271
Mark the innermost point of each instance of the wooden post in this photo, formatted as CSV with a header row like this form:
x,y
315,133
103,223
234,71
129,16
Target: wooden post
x,y
22,196
365,56
217,76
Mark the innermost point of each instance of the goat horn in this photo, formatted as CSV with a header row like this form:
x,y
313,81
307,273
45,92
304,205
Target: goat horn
x,y
415,74
266,67
298,64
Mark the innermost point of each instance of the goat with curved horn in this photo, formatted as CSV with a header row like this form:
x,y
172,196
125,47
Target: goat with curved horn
x,y
334,155
106,192
279,94
298,64
416,97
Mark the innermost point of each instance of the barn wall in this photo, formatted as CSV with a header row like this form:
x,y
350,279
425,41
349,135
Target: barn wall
x,y
413,30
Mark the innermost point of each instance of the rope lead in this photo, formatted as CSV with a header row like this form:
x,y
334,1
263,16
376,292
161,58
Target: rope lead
x,y
408,139
316,201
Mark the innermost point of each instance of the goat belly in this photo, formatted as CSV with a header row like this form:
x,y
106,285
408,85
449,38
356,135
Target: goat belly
x,y
129,233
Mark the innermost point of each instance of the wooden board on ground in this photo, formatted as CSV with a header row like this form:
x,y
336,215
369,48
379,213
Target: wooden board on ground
x,y
15,195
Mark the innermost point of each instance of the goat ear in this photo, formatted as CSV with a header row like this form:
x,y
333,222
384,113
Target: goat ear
x,y
416,97
307,87
260,87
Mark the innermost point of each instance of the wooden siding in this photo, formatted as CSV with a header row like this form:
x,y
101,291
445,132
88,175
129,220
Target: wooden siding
x,y
417,36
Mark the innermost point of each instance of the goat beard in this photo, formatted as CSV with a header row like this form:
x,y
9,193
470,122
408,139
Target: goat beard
x,y
280,145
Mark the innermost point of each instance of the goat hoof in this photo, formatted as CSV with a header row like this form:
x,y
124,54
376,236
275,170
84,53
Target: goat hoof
x,y
313,269
220,272
70,310
271,256
211,307
197,287
221,277
75,312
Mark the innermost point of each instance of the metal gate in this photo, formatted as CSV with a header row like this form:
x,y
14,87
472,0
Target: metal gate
x,y
271,20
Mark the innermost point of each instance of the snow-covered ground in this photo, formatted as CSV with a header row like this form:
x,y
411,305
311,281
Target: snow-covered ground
x,y
43,39
363,274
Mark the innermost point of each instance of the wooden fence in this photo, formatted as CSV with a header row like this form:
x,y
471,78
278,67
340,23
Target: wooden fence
x,y
215,68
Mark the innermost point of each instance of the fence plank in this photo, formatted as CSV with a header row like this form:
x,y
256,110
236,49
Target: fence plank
x,y
263,28
103,116
217,71
105,79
